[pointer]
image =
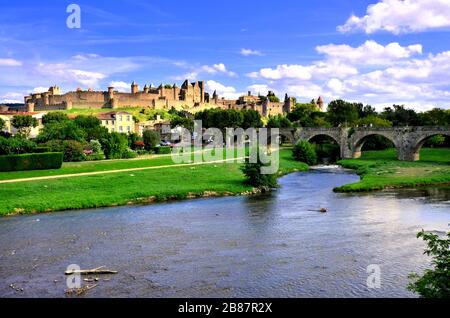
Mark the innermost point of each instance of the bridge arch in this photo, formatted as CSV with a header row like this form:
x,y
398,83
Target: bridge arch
x,y
417,146
360,140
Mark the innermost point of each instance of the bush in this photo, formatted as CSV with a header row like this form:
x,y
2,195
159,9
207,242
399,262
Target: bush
x,y
435,283
115,145
129,154
73,151
95,146
41,149
151,139
15,145
255,178
163,150
37,161
303,151
95,157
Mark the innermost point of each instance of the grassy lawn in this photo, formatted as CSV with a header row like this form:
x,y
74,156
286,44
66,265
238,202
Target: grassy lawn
x,y
130,188
380,170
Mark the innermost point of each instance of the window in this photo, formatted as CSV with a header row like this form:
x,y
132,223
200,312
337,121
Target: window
x,y
128,128
120,128
120,118
112,130
128,118
106,123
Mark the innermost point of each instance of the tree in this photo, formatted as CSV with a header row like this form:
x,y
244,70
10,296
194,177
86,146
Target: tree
x,y
23,124
374,121
92,127
151,139
435,117
435,282
303,114
274,99
400,116
279,121
185,122
65,130
343,113
255,178
115,145
73,151
54,117
15,145
251,119
2,123
303,151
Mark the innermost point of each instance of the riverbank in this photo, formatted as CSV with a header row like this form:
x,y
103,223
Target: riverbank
x,y
136,187
381,170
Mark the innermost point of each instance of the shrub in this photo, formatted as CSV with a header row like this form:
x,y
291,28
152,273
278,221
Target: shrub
x,y
129,154
95,157
435,283
255,178
115,145
151,139
37,161
73,151
41,149
163,150
15,145
95,146
303,151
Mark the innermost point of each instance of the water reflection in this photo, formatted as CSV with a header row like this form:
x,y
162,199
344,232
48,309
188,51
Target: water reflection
x,y
271,245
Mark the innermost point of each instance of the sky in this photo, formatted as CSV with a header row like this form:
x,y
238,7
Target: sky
x,y
378,52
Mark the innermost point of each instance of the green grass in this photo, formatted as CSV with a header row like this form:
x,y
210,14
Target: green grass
x,y
130,187
381,170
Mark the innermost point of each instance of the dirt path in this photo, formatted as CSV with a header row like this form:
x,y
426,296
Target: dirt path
x,y
62,176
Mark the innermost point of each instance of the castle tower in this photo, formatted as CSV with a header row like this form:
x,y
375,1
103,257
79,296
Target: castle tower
x,y
201,84
146,89
215,97
110,92
134,88
54,90
320,104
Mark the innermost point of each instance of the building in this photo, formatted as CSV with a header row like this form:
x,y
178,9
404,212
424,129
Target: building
x,y
7,116
190,97
162,97
121,122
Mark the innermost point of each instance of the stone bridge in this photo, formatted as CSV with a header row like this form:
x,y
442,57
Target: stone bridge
x,y
407,140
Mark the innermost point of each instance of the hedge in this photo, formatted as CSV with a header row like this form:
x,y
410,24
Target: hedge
x,y
163,150
31,161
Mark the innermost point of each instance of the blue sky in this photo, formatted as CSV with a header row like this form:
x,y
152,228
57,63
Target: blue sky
x,y
391,51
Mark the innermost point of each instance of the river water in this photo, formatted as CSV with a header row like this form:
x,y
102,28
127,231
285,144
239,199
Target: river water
x,y
273,245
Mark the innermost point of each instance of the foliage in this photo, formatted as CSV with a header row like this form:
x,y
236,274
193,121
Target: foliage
x,y
279,121
163,150
374,121
435,117
185,122
95,146
15,145
37,161
342,113
251,119
400,116
435,283
303,151
2,123
151,139
436,141
23,124
133,138
115,145
65,130
54,117
274,99
91,126
73,151
254,177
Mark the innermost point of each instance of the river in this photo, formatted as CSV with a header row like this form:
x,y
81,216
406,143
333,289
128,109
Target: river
x,y
272,245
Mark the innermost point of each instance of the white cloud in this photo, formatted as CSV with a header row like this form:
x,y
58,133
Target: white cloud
x,y
371,73
250,52
12,97
40,89
214,69
369,53
222,90
9,62
121,86
262,89
401,16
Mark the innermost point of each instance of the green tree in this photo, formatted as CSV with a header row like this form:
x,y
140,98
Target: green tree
x,y
54,117
15,145
73,151
303,151
435,282
23,124
2,123
151,139
185,122
251,119
279,121
115,145
374,121
435,117
254,177
342,113
274,99
65,130
400,116
91,126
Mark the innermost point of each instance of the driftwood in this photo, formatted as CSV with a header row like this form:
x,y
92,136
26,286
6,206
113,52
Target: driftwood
x,y
79,291
322,210
99,270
